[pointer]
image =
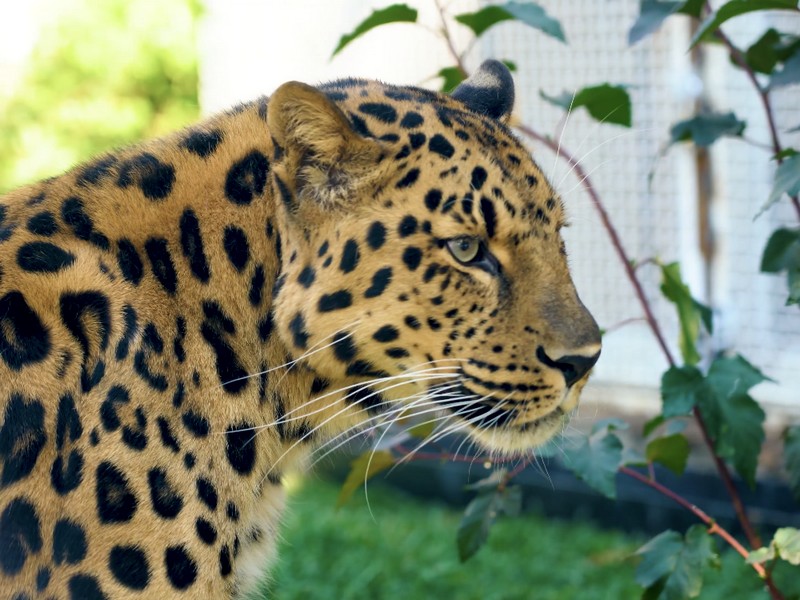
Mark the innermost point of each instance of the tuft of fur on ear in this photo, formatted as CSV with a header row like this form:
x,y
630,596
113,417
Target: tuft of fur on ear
x,y
489,91
325,157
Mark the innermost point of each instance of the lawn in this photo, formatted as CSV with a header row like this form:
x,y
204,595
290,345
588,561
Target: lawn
x,y
407,551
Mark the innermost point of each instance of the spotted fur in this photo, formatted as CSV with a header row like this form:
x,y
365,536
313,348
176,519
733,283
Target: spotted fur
x,y
183,321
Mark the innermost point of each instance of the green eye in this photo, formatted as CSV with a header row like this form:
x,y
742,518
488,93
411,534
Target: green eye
x,y
464,249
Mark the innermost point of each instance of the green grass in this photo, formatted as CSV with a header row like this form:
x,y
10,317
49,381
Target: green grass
x,y
408,552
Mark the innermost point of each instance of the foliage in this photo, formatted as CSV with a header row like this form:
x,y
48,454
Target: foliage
x,y
101,75
713,392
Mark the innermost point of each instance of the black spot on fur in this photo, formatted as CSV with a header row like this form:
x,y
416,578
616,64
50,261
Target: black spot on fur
x,y
247,178
265,327
181,568
397,352
128,565
241,447
167,437
236,247
22,438
87,317
85,587
343,347
408,179
412,322
205,531
489,216
196,424
96,171
192,245
161,262
407,227
207,493
376,235
439,144
257,281
166,501
432,199
180,336
412,257
108,409
335,301
130,319
43,257
232,512
42,579
306,277
387,333
216,329
297,326
153,177
68,422
383,112
43,223
225,566
364,397
478,178
411,119
350,256
129,261
20,535
380,280
116,502
416,140
23,338
203,143
69,543
77,219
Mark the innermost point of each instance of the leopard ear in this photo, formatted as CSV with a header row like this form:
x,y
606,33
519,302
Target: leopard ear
x,y
489,91
303,119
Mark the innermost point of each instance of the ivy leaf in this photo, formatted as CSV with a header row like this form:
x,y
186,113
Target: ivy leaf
x,y
706,129
606,103
652,14
690,312
672,451
451,77
787,181
735,8
789,74
364,467
787,544
672,565
396,13
681,390
595,459
762,56
791,458
481,513
782,251
526,12
734,419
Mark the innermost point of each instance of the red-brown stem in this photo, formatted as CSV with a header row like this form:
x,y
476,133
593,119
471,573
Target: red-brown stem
x,y
763,94
713,526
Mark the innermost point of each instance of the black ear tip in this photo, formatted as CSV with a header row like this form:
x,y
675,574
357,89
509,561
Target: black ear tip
x,y
489,91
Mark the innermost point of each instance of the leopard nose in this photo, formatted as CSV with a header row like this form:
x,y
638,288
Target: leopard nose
x,y
573,366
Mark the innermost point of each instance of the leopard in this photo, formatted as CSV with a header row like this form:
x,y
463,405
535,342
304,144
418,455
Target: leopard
x,y
185,321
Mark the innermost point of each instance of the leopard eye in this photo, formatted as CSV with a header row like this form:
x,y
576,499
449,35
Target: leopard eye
x,y
464,249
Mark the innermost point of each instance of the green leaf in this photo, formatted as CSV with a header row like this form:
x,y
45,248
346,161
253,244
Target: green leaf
x,y
787,544
480,515
652,14
762,56
789,74
787,181
451,77
706,129
606,103
656,421
690,312
782,251
761,555
595,459
526,12
396,13
681,390
735,8
364,467
672,451
674,565
734,419
791,458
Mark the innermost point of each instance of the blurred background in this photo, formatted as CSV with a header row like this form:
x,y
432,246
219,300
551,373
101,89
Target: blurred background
x,y
78,77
